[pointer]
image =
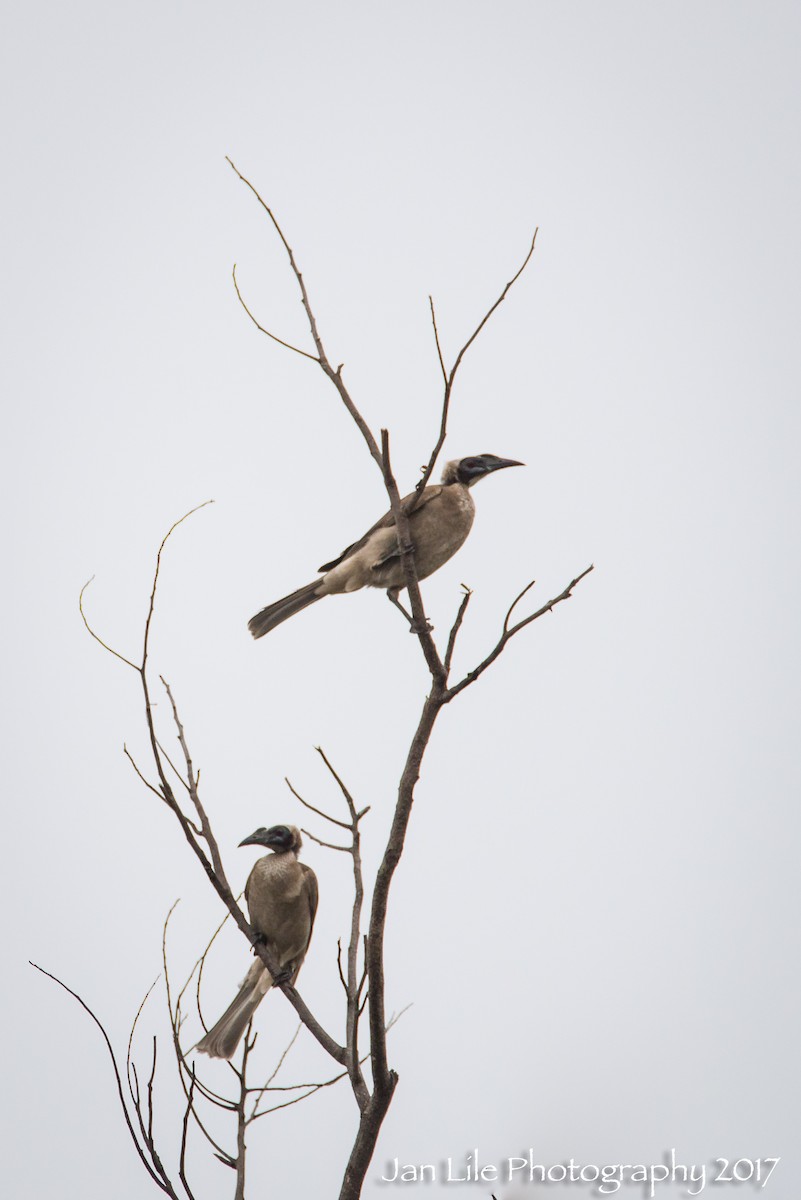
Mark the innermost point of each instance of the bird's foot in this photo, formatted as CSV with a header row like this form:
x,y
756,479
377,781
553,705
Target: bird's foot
x,y
282,977
414,626
257,940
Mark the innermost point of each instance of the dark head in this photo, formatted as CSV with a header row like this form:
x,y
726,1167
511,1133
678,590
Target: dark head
x,y
469,470
278,837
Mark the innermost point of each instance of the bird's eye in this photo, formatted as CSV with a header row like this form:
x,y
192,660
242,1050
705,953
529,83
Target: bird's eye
x,y
470,464
280,831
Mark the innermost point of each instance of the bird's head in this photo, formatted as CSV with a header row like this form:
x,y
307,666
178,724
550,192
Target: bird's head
x,y
469,470
278,837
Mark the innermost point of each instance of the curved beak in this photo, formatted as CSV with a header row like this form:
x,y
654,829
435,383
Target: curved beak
x,y
505,462
258,838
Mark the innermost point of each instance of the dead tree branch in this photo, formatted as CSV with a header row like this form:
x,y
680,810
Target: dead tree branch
x,y
508,632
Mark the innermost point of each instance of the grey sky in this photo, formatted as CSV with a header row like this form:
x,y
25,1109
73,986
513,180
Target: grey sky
x,y
596,916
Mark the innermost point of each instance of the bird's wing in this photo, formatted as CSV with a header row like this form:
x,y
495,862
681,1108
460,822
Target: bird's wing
x,y
386,522
313,892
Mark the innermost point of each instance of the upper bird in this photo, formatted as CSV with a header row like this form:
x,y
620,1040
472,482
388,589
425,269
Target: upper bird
x,y
441,520
281,895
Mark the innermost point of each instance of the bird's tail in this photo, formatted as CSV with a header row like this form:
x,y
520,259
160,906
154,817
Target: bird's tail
x,y
223,1038
275,613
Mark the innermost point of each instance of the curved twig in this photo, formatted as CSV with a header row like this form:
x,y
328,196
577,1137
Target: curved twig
x,y
164,1185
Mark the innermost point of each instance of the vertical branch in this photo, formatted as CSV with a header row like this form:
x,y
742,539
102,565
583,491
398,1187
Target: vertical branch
x,y
241,1118
352,983
384,1079
406,547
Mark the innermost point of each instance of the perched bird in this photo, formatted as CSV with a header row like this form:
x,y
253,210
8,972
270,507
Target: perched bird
x,y
281,895
440,522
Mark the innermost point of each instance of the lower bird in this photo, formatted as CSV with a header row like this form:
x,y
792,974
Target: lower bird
x,y
281,895
439,524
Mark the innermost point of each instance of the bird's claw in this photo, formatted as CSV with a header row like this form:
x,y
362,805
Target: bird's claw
x,y
425,628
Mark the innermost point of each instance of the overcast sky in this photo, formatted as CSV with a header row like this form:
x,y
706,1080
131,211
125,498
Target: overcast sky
x,y
596,917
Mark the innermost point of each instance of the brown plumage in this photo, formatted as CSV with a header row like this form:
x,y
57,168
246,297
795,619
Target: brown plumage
x,y
439,524
281,895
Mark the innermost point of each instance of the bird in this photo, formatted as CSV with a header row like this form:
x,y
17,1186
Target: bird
x,y
281,895
440,518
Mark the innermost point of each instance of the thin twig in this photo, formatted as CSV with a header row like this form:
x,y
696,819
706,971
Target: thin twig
x,y
509,632
96,636
457,624
327,845
205,824
267,1086
436,339
335,375
281,342
318,811
184,1134
450,376
165,1187
341,786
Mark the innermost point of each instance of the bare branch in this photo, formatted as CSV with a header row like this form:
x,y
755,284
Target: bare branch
x,y
334,375
241,1117
174,769
164,1185
150,1111
318,811
457,624
281,342
190,1108
205,824
436,339
449,377
150,786
327,845
97,638
201,960
393,1020
509,632
164,541
129,1067
260,1091
491,310
342,978
311,1088
340,784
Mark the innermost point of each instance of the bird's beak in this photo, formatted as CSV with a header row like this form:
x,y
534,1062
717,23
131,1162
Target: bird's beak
x,y
254,839
505,462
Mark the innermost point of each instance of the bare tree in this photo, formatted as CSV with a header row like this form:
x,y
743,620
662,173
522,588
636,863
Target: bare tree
x,y
362,975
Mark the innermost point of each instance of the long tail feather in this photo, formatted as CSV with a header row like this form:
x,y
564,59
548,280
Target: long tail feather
x,y
281,610
223,1038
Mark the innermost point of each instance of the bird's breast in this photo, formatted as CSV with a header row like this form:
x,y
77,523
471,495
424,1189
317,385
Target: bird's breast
x,y
278,906
440,528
